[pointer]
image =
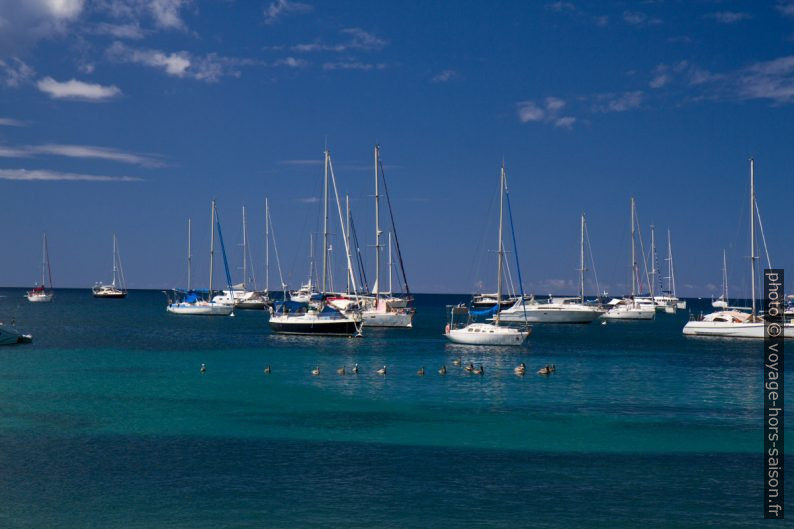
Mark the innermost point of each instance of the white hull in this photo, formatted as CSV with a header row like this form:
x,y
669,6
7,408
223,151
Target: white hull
x,y
373,318
732,330
641,312
541,314
200,309
39,298
487,334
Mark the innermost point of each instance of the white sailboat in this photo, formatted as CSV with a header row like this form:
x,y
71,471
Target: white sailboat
x,y
39,293
668,300
722,301
117,289
190,302
308,291
630,308
489,333
557,310
321,318
732,323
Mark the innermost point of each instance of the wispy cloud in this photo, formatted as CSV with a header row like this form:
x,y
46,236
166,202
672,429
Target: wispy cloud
x,y
14,72
291,62
281,8
81,151
357,39
77,90
561,6
786,7
43,175
308,200
25,22
727,17
617,101
353,65
9,122
164,14
209,68
547,111
638,18
445,76
664,74
131,30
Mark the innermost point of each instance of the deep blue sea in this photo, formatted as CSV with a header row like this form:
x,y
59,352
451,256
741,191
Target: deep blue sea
x,y
107,422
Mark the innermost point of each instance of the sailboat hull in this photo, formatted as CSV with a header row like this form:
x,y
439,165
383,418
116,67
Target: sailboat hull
x,y
35,297
732,330
633,313
540,314
387,319
200,309
307,324
488,334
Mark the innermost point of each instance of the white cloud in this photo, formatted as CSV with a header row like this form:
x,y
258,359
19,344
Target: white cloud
x,y
14,72
166,13
727,17
209,68
131,30
9,122
773,80
547,112
24,22
561,6
281,8
74,89
80,151
618,102
358,39
352,65
638,18
291,62
445,76
308,200
529,111
565,122
42,175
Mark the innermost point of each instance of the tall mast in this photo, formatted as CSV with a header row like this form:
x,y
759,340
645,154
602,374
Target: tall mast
x,y
581,262
212,245
752,233
653,261
390,265
501,249
43,256
672,265
325,223
245,254
189,256
633,259
267,246
347,234
377,227
114,260
724,276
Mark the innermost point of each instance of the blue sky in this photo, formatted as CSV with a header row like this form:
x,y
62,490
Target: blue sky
x,y
129,117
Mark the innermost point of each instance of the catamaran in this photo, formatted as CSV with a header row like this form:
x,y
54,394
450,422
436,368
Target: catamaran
x,y
117,288
733,323
630,308
192,302
39,294
322,317
557,310
474,333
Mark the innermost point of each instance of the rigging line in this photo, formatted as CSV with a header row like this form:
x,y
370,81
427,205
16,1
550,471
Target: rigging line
x,y
275,248
642,251
342,227
121,270
47,253
592,261
223,250
515,251
362,274
763,236
393,229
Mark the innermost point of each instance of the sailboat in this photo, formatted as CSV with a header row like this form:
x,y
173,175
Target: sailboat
x,y
732,323
191,302
382,309
40,294
308,291
557,310
473,333
668,300
241,295
118,288
321,318
631,308
722,301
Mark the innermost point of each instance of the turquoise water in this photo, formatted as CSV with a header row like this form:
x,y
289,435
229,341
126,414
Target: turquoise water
x,y
106,421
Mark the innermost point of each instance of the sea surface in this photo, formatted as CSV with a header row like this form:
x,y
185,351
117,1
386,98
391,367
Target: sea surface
x,y
107,422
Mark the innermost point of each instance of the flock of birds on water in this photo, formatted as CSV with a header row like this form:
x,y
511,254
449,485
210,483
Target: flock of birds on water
x,y
520,369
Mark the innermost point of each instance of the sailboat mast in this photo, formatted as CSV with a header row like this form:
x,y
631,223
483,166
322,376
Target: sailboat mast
x,y
752,234
390,265
189,256
43,256
672,265
347,234
653,260
581,262
245,254
724,276
212,246
633,258
267,246
501,249
325,223
377,228
114,261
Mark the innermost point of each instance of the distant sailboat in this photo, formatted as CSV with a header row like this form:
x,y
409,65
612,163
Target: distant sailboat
x,y
40,294
668,300
490,333
118,288
722,301
192,302
732,323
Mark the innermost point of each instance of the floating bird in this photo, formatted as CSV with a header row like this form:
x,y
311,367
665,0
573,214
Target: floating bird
x,y
520,369
479,371
203,368
382,370
604,322
341,370
442,371
469,368
355,369
545,370
421,372
316,371
456,362
267,370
